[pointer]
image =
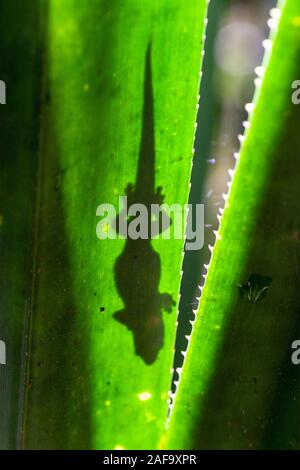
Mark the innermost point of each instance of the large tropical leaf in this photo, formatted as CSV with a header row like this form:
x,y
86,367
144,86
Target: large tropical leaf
x,y
239,388
20,70
117,106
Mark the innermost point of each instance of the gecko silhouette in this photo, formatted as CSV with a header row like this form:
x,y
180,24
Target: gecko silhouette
x,y
138,268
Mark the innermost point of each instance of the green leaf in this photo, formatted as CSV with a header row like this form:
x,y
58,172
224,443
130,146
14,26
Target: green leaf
x,y
118,106
239,388
20,70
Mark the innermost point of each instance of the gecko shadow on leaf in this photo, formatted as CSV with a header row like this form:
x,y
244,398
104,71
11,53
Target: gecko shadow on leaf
x,y
138,268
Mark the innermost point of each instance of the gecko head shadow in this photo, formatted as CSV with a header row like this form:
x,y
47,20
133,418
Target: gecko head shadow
x,y
137,275
138,268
